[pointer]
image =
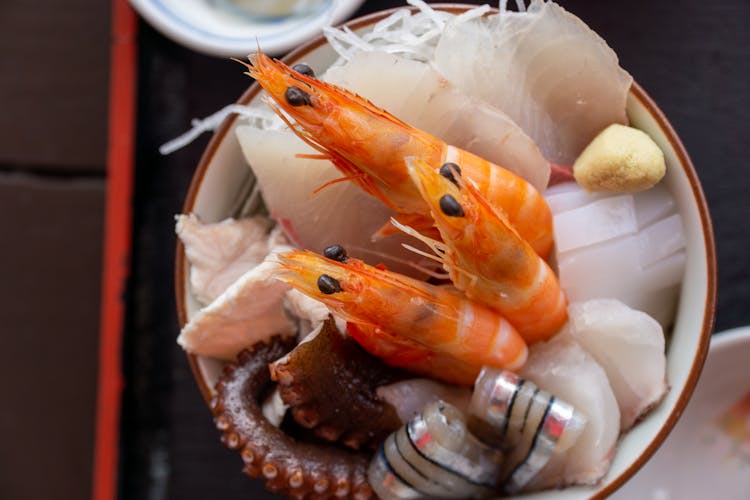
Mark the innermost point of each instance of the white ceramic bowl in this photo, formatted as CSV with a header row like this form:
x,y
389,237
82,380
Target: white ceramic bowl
x,y
708,453
201,26
222,171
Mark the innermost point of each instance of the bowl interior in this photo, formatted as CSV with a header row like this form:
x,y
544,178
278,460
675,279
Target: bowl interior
x,y
222,171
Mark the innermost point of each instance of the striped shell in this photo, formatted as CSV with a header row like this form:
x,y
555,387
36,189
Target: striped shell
x,y
529,424
434,456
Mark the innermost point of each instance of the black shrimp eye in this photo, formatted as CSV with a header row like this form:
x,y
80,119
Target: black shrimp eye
x,y
297,97
447,171
328,285
335,252
304,69
450,207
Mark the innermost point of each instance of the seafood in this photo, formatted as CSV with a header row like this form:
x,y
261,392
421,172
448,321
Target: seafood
x,y
222,252
434,456
530,424
407,322
250,310
641,232
549,72
309,312
329,383
490,229
342,212
629,345
410,396
294,468
369,145
562,367
420,96
484,254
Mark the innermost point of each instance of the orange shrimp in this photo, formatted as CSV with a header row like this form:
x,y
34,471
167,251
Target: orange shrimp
x,y
369,146
486,257
407,322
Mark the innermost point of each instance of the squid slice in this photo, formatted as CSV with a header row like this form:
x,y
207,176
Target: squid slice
x,y
434,456
329,383
222,252
563,368
629,345
641,233
410,396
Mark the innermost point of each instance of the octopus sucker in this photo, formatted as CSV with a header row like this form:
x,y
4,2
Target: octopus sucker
x,y
330,383
290,467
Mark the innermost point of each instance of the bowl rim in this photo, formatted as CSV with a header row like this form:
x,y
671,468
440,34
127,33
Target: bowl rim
x,y
636,91
172,25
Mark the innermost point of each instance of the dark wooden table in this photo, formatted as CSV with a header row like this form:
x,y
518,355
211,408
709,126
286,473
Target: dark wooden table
x,y
691,56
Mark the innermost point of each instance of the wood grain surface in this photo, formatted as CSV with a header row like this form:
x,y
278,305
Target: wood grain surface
x,y
53,117
53,84
50,259
691,56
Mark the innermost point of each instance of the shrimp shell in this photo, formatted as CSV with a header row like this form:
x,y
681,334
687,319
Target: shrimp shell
x,y
369,146
407,322
485,255
434,456
506,408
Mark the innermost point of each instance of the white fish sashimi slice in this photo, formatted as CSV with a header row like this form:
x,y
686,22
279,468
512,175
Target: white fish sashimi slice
x,y
222,252
340,213
420,96
306,308
249,311
310,312
562,367
549,72
629,345
409,397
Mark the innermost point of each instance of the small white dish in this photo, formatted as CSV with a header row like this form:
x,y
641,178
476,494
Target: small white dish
x,y
205,27
708,453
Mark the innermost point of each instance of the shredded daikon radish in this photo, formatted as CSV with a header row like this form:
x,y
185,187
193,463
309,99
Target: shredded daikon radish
x,y
414,35
260,117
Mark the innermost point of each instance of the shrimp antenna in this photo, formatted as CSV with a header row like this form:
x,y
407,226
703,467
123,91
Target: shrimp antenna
x,y
438,247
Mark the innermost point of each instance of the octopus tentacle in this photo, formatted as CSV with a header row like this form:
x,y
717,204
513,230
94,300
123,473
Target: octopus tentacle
x,y
330,384
288,466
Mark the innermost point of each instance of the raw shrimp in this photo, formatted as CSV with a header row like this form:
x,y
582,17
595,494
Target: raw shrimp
x,y
420,96
369,146
485,256
406,322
